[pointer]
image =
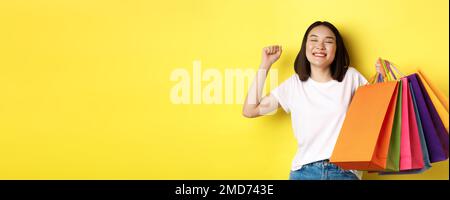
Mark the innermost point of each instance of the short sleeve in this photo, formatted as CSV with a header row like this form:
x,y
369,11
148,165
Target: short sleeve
x,y
283,93
358,78
361,79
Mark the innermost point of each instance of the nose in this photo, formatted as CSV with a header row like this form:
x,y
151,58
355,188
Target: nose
x,y
320,45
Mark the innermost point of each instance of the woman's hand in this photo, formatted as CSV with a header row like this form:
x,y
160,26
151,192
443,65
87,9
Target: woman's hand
x,y
270,55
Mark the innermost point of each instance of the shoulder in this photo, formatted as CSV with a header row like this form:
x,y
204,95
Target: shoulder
x,y
352,71
293,79
289,83
353,74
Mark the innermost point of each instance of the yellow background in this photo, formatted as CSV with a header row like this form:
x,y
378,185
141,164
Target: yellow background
x,y
84,84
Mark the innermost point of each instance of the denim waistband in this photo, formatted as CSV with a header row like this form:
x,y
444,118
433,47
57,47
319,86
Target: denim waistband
x,y
321,163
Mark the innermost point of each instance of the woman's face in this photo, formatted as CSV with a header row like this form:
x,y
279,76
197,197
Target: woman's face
x,y
321,47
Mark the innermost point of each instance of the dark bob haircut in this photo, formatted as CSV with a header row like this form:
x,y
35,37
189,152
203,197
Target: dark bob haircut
x,y
341,60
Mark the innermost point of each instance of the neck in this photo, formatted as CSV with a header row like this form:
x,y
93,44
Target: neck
x,y
321,74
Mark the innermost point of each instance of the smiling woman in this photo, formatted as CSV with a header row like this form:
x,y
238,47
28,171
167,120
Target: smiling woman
x,y
318,96
320,48
85,85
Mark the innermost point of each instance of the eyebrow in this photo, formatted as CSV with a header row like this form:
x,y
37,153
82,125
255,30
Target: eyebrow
x,y
330,37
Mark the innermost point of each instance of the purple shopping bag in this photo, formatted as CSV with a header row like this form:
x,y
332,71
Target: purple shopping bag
x,y
435,133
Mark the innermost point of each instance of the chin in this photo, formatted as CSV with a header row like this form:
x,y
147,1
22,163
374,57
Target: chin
x,y
320,64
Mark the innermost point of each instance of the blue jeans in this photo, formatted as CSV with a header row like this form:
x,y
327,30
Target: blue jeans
x,y
322,170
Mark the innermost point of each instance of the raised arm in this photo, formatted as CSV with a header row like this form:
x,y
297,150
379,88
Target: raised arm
x,y
255,105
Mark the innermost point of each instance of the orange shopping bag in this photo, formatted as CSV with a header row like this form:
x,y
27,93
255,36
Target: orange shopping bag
x,y
363,142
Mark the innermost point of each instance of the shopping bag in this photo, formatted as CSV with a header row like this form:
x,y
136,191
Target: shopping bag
x,y
405,140
393,158
435,134
432,107
410,149
413,133
417,167
417,158
439,94
423,143
437,98
363,142
429,102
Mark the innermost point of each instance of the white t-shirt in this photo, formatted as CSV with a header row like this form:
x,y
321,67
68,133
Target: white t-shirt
x,y
317,112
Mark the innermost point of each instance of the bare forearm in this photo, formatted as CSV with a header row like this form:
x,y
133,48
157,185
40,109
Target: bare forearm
x,y
254,97
254,94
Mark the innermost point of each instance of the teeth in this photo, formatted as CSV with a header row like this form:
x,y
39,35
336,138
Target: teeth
x,y
319,54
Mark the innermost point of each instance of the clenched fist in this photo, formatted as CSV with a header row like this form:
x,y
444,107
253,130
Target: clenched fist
x,y
270,55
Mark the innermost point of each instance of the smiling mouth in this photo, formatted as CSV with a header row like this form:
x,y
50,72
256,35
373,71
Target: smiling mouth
x,y
319,54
